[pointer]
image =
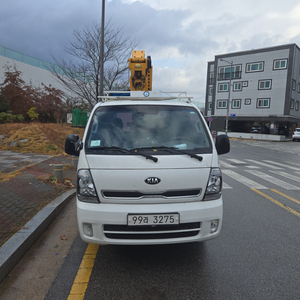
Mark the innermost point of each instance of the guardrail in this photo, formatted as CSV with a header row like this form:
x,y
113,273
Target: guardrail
x,y
256,136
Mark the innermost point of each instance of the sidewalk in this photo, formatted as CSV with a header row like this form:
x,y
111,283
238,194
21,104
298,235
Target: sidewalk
x,y
22,197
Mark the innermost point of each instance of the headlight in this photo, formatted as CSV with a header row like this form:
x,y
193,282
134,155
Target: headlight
x,y
86,191
214,185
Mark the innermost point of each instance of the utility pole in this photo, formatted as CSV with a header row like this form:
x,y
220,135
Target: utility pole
x,y
102,49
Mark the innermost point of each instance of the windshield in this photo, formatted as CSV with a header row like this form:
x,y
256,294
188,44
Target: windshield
x,y
147,128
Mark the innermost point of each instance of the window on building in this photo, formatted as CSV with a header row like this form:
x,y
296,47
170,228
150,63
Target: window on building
x,y
211,77
223,87
247,101
280,64
298,90
222,104
236,103
297,105
209,105
292,103
237,86
264,84
294,84
210,90
255,67
227,72
263,103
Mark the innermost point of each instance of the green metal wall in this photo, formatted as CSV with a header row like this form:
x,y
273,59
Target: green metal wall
x,y
79,117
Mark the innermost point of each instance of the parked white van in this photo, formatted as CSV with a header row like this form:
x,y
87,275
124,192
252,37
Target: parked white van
x,y
148,173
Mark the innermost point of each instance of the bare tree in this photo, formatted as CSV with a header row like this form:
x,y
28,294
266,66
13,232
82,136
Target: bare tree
x,y
81,75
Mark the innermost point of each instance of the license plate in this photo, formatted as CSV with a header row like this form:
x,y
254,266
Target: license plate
x,y
153,219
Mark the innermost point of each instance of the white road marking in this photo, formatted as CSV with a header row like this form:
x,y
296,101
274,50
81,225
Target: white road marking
x,y
287,175
236,161
273,180
226,186
226,165
264,164
294,164
282,165
244,180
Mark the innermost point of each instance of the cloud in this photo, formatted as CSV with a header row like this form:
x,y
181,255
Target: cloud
x,y
181,36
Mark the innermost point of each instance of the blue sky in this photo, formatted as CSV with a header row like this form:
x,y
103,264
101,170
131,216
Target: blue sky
x,y
180,35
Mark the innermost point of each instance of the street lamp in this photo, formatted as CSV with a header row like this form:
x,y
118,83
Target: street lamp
x,y
231,63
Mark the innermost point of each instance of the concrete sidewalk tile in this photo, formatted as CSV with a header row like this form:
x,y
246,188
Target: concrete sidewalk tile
x,y
7,153
11,160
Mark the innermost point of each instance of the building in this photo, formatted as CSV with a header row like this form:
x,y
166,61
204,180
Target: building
x,y
34,71
255,87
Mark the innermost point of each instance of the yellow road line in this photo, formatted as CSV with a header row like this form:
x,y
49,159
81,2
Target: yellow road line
x,y
84,272
286,196
277,202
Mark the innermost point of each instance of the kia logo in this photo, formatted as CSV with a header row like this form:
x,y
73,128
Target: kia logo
x,y
152,180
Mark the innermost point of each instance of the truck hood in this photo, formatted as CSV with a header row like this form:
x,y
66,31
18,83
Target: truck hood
x,y
136,162
135,179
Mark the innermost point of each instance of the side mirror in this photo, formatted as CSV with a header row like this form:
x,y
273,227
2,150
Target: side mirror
x,y
222,144
73,144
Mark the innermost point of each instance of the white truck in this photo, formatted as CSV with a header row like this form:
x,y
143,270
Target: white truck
x,y
148,172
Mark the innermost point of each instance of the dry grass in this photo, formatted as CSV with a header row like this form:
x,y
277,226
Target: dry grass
x,y
8,176
36,137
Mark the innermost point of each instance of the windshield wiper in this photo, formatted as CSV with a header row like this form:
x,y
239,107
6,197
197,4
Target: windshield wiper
x,y
123,150
174,150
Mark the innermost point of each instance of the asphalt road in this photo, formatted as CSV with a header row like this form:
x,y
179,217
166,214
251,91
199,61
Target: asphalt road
x,y
255,257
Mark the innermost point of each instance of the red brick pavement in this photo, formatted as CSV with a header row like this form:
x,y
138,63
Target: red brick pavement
x,y
23,196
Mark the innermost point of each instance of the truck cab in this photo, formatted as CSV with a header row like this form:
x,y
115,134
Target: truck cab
x,y
148,172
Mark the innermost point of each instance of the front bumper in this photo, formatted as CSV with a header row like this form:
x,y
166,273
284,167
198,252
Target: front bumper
x,y
107,223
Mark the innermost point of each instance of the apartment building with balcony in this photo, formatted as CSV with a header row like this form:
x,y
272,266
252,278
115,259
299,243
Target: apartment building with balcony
x,y
255,87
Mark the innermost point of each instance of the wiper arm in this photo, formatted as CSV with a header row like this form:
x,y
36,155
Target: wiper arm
x,y
123,150
200,158
176,150
134,151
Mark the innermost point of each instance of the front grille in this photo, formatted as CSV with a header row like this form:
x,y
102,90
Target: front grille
x,y
139,195
125,232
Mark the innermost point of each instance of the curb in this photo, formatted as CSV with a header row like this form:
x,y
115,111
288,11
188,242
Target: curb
x,y
15,248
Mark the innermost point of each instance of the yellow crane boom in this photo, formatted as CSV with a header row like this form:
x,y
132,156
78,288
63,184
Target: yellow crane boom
x,y
141,71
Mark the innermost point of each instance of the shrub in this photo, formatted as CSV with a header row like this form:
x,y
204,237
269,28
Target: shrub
x,y
32,114
19,118
6,117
